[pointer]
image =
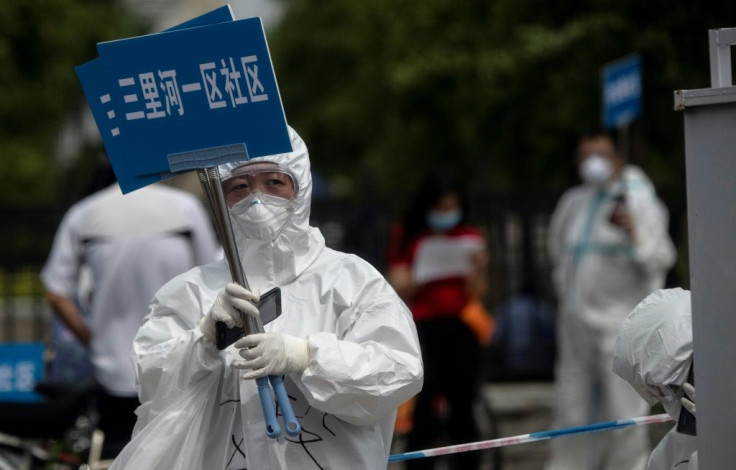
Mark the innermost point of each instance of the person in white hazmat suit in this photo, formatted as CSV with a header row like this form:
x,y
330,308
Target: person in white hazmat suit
x,y
609,248
654,353
345,342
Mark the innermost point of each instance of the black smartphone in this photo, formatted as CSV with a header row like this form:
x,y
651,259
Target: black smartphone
x,y
269,306
686,421
619,206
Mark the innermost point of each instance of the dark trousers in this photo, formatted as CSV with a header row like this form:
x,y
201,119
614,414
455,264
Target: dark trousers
x,y
117,419
450,353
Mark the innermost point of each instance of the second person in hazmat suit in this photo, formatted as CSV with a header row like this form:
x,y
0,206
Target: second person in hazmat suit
x,y
610,248
345,343
654,353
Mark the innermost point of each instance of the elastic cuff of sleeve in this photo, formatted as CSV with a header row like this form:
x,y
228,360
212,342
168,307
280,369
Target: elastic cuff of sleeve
x,y
297,353
207,329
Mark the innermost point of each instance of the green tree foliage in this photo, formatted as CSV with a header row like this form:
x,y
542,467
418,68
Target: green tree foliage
x,y
41,41
499,89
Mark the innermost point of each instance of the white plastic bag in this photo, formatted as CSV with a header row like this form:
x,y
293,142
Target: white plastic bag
x,y
171,431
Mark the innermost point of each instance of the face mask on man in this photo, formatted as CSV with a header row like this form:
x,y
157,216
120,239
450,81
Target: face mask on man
x,y
443,221
262,216
596,170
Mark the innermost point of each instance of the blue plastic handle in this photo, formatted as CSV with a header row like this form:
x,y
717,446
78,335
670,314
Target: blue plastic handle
x,y
291,424
273,430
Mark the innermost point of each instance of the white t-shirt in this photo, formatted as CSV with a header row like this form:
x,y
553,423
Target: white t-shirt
x,y
133,244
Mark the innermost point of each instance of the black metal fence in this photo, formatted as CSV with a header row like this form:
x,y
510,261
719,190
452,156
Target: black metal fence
x,y
25,241
515,224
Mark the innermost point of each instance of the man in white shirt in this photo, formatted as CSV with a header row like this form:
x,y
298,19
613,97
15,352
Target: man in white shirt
x,y
132,244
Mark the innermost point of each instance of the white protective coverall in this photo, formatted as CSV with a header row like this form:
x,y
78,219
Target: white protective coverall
x,y
655,347
197,412
600,274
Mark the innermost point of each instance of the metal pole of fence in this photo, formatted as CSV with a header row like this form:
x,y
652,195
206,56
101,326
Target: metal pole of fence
x,y
38,309
8,311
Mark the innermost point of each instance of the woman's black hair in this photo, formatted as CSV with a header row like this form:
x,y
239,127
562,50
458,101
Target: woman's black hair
x,y
434,186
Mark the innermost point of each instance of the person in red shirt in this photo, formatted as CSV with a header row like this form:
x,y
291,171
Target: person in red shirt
x,y
437,265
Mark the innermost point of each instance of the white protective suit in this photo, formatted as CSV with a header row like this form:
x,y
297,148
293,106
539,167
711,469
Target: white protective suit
x,y
655,347
600,274
365,360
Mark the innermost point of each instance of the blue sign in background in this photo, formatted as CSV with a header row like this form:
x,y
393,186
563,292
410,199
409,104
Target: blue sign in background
x,y
21,368
621,91
184,90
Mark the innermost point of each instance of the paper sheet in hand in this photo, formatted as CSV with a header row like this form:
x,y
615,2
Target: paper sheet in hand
x,y
444,257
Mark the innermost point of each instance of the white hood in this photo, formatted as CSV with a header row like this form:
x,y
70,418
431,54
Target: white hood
x,y
270,264
655,344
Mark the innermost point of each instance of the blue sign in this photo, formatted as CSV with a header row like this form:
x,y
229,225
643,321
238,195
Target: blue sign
x,y
218,15
622,91
21,368
92,77
176,96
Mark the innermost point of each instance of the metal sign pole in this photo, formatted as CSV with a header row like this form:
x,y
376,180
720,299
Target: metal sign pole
x,y
210,179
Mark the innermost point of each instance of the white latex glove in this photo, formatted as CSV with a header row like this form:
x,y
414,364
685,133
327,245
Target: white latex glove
x,y
688,401
232,302
271,354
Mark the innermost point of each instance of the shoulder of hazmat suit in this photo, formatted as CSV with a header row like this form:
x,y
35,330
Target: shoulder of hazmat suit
x,y
364,358
655,348
599,270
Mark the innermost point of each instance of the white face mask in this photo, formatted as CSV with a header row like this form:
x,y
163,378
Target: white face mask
x,y
596,170
443,221
261,216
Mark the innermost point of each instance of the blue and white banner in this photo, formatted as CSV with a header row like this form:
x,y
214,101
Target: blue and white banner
x,y
21,368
